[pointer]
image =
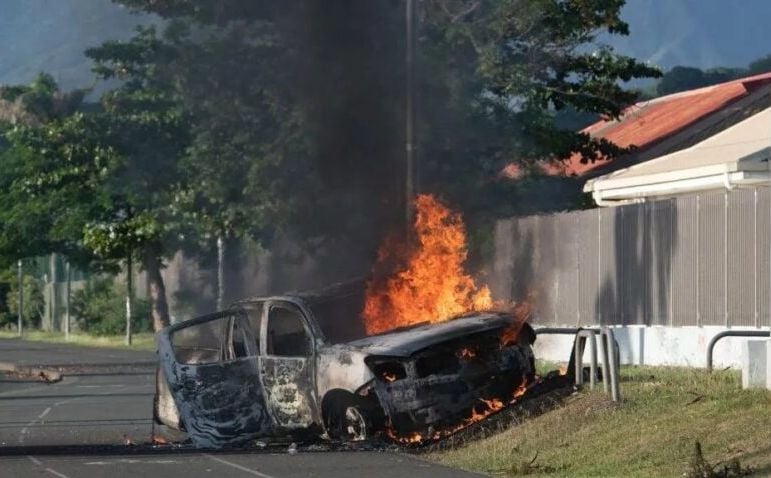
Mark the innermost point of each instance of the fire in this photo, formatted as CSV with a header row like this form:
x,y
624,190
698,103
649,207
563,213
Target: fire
x,y
494,404
491,406
563,370
389,377
521,390
521,313
467,353
430,285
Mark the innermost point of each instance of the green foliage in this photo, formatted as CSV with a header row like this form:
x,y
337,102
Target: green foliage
x,y
34,302
298,103
761,65
682,78
100,309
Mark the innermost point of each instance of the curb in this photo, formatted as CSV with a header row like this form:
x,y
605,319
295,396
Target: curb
x,y
43,374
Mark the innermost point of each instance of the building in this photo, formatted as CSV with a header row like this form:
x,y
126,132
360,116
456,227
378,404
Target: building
x,y
686,252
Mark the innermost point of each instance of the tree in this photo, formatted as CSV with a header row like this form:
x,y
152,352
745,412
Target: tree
x,y
498,75
151,132
492,75
31,224
683,78
99,186
761,65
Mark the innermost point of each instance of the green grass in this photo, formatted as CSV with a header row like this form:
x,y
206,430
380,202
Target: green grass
x,y
143,341
665,410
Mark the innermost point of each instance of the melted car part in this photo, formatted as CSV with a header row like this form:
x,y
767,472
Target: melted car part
x,y
441,384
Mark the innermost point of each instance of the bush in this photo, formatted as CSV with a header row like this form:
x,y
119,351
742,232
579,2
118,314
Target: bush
x,y
34,302
100,309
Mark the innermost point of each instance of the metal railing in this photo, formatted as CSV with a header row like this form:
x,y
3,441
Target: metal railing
x,y
731,333
610,356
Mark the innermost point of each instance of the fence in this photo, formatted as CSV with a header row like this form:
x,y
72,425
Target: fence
x,y
689,261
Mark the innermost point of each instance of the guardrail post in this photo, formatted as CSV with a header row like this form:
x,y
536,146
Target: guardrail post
x,y
580,344
610,363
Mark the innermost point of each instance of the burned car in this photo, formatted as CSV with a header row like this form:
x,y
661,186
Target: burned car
x,y
292,364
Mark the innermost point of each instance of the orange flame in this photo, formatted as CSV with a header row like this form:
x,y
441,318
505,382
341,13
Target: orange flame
x,y
467,353
431,285
521,313
563,370
492,405
389,377
521,390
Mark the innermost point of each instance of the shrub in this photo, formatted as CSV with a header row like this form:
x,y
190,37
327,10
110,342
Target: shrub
x,y
100,309
34,302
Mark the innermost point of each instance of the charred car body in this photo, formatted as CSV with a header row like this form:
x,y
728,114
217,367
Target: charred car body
x,y
266,367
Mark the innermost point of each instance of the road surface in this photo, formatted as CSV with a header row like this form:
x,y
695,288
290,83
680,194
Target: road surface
x,y
79,427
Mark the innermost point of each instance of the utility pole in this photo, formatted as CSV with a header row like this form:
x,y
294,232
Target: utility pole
x,y
67,293
220,272
21,296
410,144
52,269
129,296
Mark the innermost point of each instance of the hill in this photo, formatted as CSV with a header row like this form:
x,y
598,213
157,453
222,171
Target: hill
x,y
51,35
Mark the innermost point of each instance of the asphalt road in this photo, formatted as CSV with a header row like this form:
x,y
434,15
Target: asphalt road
x,y
79,427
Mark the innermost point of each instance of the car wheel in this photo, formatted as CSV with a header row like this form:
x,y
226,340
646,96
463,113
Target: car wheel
x,y
348,422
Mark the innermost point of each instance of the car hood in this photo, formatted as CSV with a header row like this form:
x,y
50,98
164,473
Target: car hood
x,y
403,343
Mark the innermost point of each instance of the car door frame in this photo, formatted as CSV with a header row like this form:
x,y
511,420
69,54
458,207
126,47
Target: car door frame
x,y
314,414
221,403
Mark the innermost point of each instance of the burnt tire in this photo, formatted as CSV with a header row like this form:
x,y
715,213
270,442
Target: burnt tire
x,y
348,420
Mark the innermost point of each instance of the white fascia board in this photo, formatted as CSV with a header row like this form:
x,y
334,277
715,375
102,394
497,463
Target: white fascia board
x,y
690,185
606,183
757,161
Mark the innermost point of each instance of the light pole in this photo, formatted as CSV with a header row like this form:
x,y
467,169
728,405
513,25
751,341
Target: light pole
x,y
410,144
21,296
129,295
67,296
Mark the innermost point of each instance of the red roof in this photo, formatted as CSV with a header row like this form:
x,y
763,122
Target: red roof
x,y
649,122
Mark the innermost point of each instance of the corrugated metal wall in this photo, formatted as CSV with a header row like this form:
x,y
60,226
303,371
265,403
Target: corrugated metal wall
x,y
694,260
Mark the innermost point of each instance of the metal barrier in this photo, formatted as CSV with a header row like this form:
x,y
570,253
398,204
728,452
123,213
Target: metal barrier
x,y
582,337
610,356
610,362
557,330
732,333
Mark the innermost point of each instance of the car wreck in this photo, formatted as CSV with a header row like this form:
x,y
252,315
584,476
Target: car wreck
x,y
294,364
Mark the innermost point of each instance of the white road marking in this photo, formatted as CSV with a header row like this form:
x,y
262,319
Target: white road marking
x,y
238,467
26,427
130,461
49,470
56,473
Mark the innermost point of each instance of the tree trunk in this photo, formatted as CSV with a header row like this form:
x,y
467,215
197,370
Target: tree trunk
x,y
160,308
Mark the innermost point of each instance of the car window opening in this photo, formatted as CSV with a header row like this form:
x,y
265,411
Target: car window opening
x,y
287,336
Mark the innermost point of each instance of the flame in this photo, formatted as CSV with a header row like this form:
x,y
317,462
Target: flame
x,y
521,313
491,406
494,404
467,353
430,284
521,390
389,377
563,370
